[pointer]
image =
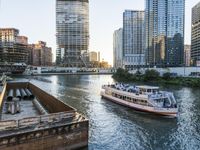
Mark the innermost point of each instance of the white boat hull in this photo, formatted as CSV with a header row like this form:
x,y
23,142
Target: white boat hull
x,y
172,112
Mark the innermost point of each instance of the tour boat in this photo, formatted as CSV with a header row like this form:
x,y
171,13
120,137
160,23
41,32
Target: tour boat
x,y
142,98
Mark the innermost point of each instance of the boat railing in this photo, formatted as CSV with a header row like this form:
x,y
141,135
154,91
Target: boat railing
x,y
156,96
154,103
172,98
34,121
163,94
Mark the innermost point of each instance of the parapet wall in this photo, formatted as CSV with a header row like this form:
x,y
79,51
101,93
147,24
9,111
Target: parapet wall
x,y
72,136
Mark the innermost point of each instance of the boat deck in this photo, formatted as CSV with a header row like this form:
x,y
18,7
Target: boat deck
x,y
27,109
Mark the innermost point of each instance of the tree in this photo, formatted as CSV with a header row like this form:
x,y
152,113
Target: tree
x,y
167,76
122,74
151,75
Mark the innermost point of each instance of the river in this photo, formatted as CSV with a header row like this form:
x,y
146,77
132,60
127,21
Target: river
x,y
114,127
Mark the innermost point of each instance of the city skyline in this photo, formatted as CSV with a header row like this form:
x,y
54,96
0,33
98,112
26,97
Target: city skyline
x,y
38,21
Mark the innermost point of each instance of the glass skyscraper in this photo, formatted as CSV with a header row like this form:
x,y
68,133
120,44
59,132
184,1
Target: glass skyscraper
x,y
165,32
72,32
195,43
133,39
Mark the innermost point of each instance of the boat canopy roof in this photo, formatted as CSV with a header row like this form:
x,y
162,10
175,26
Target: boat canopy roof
x,y
148,87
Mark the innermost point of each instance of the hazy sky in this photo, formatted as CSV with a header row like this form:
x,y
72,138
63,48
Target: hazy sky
x,y
36,19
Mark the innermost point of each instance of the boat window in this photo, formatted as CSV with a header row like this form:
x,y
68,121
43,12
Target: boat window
x,y
149,90
154,91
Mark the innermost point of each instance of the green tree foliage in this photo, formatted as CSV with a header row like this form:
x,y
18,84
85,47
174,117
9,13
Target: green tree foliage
x,y
167,76
151,75
122,75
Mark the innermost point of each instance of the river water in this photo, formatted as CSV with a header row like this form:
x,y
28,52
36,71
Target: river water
x,y
114,127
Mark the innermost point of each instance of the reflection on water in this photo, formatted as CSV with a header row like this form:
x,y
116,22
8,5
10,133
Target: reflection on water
x,y
116,127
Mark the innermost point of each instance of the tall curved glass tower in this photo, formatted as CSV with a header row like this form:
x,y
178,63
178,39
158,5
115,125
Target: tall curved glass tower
x,y
72,27
165,32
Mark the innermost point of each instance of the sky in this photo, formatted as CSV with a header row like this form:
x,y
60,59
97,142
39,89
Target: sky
x,y
36,20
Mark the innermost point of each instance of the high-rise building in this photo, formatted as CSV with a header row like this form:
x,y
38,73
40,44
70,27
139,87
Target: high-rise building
x,y
99,57
165,32
133,39
93,56
195,44
118,48
13,48
72,27
187,57
40,54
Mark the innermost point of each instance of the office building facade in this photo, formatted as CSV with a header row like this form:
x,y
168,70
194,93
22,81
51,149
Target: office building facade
x,y
118,48
72,27
133,39
187,56
93,56
164,23
40,54
99,57
195,40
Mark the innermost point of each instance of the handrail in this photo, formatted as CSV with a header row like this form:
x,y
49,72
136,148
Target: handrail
x,y
152,102
31,121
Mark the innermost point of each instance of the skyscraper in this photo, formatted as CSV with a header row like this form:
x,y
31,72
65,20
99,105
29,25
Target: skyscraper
x,y
133,38
165,32
99,56
187,57
118,48
40,54
72,27
195,44
93,56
